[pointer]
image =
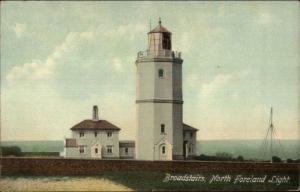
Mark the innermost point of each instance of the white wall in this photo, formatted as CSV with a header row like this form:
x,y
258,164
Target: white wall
x,y
192,142
89,140
150,86
177,131
129,155
145,81
145,132
163,86
151,114
72,152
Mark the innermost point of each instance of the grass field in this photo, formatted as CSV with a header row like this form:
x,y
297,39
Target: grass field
x,y
148,181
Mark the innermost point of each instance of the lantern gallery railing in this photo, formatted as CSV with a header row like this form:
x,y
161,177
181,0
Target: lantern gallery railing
x,y
159,53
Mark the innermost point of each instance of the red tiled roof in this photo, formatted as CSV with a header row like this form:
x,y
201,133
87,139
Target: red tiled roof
x,y
160,29
188,127
71,143
95,125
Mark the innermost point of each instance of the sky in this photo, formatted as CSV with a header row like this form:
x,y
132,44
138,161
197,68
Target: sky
x,y
58,59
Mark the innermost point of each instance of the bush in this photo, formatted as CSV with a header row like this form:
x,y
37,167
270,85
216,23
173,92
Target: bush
x,y
224,156
203,157
276,159
240,158
219,157
11,151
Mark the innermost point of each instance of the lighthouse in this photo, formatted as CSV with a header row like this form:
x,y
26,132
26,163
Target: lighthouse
x,y
159,99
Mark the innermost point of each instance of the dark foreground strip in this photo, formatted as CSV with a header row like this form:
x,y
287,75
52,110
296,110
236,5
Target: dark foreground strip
x,y
61,166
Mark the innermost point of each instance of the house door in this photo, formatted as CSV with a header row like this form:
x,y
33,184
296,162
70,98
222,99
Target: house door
x,y
185,147
96,151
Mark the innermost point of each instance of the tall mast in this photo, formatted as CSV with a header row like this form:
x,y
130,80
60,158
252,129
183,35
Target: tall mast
x,y
271,133
271,129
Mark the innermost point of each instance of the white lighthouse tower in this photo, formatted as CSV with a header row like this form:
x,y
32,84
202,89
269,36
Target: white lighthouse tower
x,y
159,99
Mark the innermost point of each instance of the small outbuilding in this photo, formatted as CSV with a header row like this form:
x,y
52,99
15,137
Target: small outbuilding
x,y
127,149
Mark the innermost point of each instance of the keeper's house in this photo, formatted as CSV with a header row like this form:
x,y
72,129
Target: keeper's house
x,y
95,138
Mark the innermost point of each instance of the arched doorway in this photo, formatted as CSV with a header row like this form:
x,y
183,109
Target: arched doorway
x,y
96,151
163,151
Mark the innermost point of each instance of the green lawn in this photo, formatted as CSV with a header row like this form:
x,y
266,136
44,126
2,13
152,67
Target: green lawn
x,y
155,181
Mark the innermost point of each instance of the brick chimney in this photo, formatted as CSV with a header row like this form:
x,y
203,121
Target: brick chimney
x,y
95,113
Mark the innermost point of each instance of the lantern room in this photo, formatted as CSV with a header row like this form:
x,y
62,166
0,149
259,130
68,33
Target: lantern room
x,y
159,41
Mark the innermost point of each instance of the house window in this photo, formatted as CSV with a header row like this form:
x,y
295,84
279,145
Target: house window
x,y
126,150
96,134
81,134
81,149
160,73
96,150
163,150
191,134
162,128
109,134
109,149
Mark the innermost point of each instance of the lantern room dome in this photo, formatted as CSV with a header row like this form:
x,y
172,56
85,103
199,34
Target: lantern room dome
x,y
160,29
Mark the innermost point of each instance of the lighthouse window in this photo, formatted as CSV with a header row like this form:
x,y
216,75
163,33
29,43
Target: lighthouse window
x,y
166,42
162,128
160,73
163,150
96,150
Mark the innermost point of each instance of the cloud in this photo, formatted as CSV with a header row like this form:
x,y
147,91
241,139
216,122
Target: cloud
x,y
185,41
37,69
260,109
211,88
235,95
117,64
192,81
220,81
190,40
19,29
129,28
34,70
264,17
129,31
